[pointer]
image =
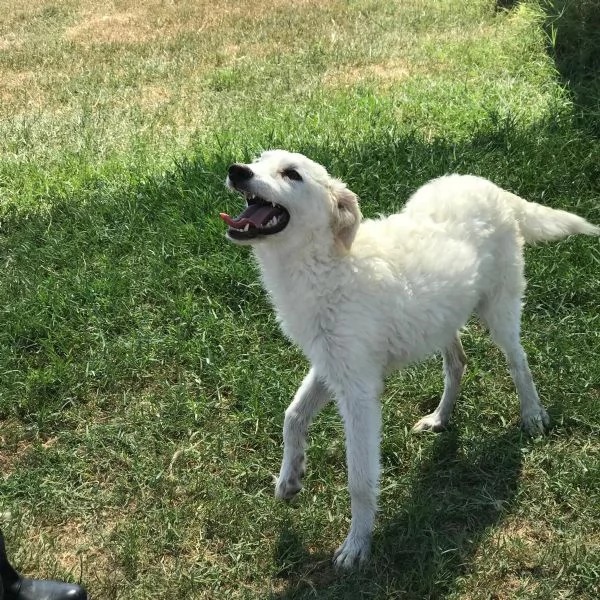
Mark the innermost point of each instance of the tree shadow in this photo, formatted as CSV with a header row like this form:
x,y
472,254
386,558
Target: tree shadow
x,y
455,497
572,28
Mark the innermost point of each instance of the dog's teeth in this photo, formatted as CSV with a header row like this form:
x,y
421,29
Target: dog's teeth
x,y
247,227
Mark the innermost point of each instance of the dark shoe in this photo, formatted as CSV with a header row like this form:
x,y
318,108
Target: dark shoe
x,y
42,589
13,586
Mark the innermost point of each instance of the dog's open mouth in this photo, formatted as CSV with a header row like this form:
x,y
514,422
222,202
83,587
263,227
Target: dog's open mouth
x,y
260,217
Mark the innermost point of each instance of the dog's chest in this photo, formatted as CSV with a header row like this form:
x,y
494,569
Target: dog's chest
x,y
307,320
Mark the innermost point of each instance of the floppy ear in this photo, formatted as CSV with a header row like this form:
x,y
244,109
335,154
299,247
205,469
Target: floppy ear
x,y
346,216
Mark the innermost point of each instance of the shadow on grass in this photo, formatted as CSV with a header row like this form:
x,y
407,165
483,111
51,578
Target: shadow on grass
x,y
159,247
421,551
573,28
506,4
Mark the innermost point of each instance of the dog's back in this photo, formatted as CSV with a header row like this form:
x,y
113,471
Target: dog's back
x,y
472,204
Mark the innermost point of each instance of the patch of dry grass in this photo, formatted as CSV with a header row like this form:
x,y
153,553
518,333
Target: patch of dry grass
x,y
128,22
383,74
125,73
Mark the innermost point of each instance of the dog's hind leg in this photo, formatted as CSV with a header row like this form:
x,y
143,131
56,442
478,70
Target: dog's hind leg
x,y
310,398
455,362
502,315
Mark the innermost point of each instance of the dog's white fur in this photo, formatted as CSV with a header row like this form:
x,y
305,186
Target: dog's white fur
x,y
362,298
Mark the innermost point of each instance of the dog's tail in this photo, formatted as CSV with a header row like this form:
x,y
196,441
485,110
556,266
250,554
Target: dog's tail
x,y
541,223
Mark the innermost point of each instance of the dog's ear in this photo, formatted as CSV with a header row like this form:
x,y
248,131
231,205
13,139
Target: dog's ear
x,y
346,216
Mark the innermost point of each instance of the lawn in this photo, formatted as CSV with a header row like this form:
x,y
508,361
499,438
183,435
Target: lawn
x,y
144,378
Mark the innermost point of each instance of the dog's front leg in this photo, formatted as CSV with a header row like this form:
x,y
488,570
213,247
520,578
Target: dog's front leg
x,y
310,398
361,412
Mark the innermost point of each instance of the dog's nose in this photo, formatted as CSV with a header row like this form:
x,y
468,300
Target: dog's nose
x,y
239,173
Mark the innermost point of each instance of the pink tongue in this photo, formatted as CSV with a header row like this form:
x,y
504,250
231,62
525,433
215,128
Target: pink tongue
x,y
228,220
255,215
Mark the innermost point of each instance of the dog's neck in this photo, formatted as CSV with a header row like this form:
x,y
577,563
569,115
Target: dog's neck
x,y
302,289
283,263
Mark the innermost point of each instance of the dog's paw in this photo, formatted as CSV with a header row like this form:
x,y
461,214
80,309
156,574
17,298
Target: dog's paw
x,y
286,489
289,482
431,422
535,422
352,553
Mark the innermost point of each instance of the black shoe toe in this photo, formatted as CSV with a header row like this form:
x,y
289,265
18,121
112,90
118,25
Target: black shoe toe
x,y
43,589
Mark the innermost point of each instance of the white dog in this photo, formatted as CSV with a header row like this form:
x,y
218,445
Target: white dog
x,y
363,298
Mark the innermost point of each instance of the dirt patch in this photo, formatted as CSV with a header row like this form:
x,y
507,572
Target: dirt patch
x,y
508,562
153,96
527,535
11,456
383,74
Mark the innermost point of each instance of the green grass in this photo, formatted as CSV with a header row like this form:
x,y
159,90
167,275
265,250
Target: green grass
x,y
144,378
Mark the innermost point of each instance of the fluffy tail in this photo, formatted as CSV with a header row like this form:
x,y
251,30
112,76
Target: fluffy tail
x,y
541,223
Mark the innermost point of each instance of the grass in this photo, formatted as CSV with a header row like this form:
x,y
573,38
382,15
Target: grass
x,y
143,375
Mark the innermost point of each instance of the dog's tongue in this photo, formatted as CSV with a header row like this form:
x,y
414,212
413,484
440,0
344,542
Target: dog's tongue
x,y
255,214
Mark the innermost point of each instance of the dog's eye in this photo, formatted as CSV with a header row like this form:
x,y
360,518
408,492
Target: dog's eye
x,y
292,174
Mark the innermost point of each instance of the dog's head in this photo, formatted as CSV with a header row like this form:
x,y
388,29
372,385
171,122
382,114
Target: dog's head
x,y
291,199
